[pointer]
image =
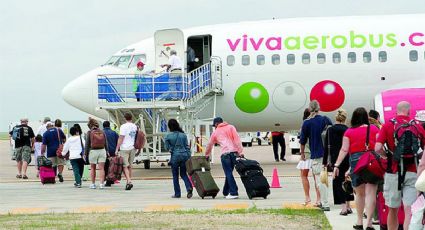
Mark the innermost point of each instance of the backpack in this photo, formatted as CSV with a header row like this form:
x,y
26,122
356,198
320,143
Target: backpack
x,y
139,140
16,134
97,139
407,144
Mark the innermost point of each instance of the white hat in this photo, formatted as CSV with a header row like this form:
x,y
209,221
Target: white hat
x,y
420,115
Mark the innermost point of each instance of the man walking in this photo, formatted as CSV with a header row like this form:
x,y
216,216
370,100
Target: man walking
x,y
52,138
111,140
231,146
399,183
125,147
23,135
278,138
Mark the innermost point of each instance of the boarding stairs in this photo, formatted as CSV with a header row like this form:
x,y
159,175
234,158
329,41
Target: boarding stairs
x,y
154,98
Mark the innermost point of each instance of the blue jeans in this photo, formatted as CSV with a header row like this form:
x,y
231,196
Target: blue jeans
x,y
78,169
228,162
176,167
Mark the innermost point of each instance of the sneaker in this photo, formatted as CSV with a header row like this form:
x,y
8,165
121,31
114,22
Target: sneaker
x,y
101,186
174,196
92,186
25,177
231,197
60,178
19,176
78,185
283,159
189,194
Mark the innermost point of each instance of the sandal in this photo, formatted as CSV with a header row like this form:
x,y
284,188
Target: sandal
x,y
349,211
306,203
25,177
128,186
358,227
343,213
19,176
317,205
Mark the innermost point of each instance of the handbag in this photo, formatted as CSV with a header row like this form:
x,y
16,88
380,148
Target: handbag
x,y
60,148
347,186
371,166
420,182
324,177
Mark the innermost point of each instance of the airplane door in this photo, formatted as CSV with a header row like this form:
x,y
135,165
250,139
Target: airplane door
x,y
165,41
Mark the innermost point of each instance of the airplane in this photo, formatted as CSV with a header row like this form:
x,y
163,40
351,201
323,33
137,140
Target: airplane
x,y
270,70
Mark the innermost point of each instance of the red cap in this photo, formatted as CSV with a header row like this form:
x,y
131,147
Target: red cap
x,y
140,64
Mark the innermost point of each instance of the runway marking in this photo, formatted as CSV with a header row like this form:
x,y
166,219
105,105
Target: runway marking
x,y
162,208
231,206
26,210
94,208
298,206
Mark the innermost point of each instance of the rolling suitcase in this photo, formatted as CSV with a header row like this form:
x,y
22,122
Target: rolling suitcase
x,y
255,183
205,184
383,213
47,175
196,163
115,168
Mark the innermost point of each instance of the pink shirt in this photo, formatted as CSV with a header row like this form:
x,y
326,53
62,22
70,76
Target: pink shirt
x,y
357,137
226,136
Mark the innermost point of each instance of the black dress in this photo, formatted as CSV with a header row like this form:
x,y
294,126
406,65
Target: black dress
x,y
333,143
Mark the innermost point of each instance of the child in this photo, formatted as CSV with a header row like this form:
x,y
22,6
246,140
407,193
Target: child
x,y
37,151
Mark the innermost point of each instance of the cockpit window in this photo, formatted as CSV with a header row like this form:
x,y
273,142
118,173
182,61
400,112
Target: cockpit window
x,y
112,60
136,59
123,61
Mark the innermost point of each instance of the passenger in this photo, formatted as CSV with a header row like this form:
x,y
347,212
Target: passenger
x,y
75,146
58,125
311,131
24,144
42,129
190,59
79,129
125,147
51,140
393,196
231,146
278,138
374,118
176,142
137,81
174,66
96,150
333,143
353,143
37,151
112,140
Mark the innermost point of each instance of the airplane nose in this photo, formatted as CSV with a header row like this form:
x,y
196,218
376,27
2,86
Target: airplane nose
x,y
79,92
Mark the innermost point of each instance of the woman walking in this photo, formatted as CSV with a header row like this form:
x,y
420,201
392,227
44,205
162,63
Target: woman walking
x,y
176,142
354,144
333,143
74,146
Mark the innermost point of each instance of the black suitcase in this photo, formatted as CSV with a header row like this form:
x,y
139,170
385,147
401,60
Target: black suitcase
x,y
255,183
205,184
244,164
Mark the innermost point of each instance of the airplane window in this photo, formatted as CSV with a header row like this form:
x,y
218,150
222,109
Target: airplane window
x,y
290,59
351,57
306,58
123,61
261,59
136,59
112,60
413,55
275,59
367,57
382,56
245,59
336,58
321,58
230,60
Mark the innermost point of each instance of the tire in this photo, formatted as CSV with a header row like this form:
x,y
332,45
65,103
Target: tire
x,y
214,196
250,144
244,144
147,164
202,197
265,197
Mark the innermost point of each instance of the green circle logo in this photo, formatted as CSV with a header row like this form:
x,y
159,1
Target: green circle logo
x,y
251,97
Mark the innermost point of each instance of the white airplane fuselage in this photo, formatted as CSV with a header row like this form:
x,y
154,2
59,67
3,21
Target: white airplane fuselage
x,y
343,62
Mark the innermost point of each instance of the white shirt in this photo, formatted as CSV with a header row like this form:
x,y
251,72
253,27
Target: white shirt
x,y
73,145
175,62
128,130
41,130
37,149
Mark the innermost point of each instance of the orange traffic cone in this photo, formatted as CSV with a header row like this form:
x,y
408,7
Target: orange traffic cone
x,y
275,179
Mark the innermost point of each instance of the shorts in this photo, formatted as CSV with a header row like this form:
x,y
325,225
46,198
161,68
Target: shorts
x,y
393,196
317,166
23,154
57,161
302,165
97,156
128,156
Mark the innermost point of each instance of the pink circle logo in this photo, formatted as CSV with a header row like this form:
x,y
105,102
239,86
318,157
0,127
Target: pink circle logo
x,y
329,94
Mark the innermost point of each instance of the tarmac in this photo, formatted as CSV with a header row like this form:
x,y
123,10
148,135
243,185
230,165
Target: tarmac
x,y
152,191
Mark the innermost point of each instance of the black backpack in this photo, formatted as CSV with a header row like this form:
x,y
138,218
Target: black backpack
x,y
407,145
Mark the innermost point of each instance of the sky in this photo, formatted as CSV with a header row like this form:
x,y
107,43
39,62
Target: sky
x,y
47,43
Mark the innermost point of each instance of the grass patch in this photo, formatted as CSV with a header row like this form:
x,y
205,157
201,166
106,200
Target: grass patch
x,y
4,136
252,218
